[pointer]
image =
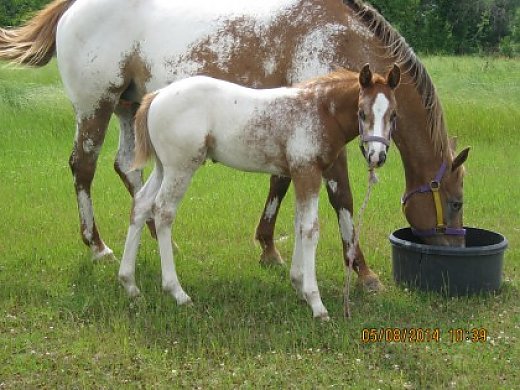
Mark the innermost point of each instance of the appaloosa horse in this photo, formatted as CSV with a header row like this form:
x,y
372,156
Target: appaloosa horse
x,y
294,132
112,52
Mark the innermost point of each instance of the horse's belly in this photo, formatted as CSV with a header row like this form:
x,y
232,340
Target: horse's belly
x,y
250,160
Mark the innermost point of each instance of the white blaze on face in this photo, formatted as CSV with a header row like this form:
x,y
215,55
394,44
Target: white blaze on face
x,y
379,110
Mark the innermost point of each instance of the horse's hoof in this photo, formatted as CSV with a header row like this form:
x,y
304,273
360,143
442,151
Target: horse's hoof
x,y
105,255
129,285
133,292
271,259
184,300
370,283
323,317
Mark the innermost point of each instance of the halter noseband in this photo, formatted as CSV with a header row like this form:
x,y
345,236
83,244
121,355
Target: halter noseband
x,y
434,187
374,138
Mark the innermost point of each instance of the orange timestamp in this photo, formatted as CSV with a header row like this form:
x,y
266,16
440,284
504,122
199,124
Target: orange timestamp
x,y
422,335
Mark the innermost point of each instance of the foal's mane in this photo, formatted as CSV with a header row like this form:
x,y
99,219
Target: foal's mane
x,y
339,75
405,57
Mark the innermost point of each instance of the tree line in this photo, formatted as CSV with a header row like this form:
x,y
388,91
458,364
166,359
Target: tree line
x,y
430,26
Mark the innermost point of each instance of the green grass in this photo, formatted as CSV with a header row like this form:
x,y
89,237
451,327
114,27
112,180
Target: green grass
x,y
65,321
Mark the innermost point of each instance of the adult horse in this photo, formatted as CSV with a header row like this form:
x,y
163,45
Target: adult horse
x,y
111,52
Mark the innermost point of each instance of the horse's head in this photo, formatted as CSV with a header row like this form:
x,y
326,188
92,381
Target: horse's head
x,y
377,113
434,209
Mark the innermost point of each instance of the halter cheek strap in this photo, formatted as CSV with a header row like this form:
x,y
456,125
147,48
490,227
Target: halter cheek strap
x,y
434,187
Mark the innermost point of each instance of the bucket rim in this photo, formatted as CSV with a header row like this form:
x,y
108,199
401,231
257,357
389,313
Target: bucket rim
x,y
450,251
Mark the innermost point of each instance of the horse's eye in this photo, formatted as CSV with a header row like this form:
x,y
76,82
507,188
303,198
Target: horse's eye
x,y
361,115
393,117
456,206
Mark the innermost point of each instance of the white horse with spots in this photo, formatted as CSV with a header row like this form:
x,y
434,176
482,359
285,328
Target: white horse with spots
x,y
295,132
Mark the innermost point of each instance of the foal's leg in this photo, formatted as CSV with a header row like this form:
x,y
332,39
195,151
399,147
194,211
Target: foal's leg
x,y
173,187
132,179
303,268
141,212
90,135
265,229
340,196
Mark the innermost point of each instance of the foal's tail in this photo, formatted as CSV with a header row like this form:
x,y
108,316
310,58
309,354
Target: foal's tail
x,y
143,145
34,43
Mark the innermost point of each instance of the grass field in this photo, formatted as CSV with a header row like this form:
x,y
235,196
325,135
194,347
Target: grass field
x,y
65,321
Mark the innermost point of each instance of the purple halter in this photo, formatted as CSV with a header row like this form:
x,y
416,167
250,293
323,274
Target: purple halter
x,y
433,187
367,138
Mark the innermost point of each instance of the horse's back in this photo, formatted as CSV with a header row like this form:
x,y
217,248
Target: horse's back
x,y
105,46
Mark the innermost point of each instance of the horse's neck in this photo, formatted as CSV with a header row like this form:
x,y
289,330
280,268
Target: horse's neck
x,y
421,157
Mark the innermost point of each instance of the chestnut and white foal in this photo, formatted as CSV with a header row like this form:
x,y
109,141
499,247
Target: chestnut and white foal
x,y
296,132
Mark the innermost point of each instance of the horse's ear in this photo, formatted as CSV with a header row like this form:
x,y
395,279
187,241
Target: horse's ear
x,y
365,76
460,159
394,77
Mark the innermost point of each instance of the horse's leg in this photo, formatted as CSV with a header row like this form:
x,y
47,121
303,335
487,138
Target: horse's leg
x,y
340,197
141,212
90,135
307,187
265,229
132,179
174,185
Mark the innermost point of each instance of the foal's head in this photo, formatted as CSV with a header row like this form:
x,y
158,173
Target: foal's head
x,y
377,113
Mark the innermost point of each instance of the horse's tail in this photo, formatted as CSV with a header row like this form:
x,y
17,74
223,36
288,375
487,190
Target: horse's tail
x,y
144,149
34,43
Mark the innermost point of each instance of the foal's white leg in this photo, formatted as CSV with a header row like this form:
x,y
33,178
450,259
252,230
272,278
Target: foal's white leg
x,y
141,211
172,190
307,232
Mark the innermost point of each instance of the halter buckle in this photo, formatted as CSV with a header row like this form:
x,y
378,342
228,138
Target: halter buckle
x,y
440,229
435,185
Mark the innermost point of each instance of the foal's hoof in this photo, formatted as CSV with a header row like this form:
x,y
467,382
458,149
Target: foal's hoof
x,y
129,285
132,292
370,283
323,317
183,300
271,258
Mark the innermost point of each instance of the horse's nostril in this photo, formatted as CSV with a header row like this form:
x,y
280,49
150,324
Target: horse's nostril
x,y
382,157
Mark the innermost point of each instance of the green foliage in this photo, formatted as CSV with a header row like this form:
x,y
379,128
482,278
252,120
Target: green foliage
x,y
14,12
459,27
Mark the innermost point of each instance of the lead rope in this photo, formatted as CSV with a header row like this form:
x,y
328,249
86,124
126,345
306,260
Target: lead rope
x,y
351,253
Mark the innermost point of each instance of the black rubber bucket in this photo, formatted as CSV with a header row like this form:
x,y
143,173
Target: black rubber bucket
x,y
475,269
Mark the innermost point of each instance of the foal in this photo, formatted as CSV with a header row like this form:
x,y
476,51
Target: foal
x,y
296,132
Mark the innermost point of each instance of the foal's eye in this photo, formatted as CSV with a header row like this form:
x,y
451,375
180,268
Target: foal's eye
x,y
361,115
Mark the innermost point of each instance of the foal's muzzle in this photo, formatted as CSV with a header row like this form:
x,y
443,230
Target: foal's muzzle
x,y
375,159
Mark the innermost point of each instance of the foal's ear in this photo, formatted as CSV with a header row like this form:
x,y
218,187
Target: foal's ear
x,y
460,159
365,76
394,77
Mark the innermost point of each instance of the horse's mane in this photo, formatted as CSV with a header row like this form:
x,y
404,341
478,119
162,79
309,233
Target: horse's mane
x,y
405,57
